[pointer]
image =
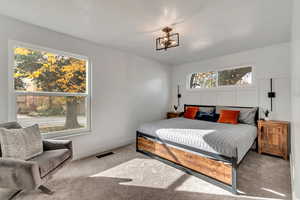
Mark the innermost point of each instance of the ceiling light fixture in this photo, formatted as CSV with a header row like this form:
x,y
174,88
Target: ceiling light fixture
x,y
170,40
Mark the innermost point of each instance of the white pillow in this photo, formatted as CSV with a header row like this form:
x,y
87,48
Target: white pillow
x,y
24,143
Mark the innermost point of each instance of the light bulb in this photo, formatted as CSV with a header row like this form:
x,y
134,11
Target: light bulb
x,y
173,42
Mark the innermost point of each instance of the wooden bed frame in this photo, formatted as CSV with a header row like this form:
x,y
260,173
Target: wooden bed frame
x,y
214,168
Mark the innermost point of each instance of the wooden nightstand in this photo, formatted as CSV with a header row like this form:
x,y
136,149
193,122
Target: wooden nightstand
x,y
273,138
173,114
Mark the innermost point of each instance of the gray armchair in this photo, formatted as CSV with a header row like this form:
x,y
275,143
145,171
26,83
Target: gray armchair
x,y
33,173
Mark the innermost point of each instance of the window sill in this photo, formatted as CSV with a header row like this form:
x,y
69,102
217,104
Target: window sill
x,y
66,134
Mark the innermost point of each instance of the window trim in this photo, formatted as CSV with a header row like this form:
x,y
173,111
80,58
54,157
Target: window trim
x,y
217,70
12,93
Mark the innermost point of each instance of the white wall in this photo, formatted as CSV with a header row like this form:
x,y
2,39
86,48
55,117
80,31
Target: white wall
x,y
127,90
269,62
295,73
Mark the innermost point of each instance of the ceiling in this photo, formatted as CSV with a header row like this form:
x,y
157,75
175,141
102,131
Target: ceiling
x,y
208,28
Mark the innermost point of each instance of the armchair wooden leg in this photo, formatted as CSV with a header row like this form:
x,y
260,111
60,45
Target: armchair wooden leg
x,y
46,190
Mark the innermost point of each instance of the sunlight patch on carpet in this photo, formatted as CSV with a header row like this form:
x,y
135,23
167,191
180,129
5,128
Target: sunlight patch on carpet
x,y
143,173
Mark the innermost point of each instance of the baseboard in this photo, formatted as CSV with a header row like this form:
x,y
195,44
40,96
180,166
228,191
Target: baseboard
x,y
292,176
115,145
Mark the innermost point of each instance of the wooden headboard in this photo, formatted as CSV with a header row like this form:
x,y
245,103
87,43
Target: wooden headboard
x,y
256,114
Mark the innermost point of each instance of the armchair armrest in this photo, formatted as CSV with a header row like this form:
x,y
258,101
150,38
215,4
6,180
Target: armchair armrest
x,y
57,144
19,174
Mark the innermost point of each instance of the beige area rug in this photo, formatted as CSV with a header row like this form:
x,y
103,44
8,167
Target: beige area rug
x,y
131,176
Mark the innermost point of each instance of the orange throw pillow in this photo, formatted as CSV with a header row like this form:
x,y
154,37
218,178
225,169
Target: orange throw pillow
x,y
229,116
191,112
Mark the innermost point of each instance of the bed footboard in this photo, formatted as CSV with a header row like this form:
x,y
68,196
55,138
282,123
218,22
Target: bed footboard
x,y
213,170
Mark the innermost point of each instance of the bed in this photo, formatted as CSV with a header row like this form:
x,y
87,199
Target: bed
x,y
209,150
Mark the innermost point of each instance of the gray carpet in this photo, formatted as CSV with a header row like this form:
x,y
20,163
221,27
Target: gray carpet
x,y
131,176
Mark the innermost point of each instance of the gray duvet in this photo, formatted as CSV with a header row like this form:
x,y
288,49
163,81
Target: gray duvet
x,y
218,138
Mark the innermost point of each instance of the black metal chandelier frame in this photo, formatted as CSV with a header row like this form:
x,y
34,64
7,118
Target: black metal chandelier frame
x,y
165,42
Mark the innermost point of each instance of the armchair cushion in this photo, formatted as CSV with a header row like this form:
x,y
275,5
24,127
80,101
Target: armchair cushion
x,y
21,143
9,125
50,160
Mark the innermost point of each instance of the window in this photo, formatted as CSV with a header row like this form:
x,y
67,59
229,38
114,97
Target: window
x,y
204,80
241,76
50,88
